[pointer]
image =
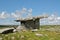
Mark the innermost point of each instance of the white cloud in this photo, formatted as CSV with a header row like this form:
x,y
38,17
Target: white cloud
x,y
17,14
4,15
14,15
51,20
58,18
22,13
30,10
24,10
29,14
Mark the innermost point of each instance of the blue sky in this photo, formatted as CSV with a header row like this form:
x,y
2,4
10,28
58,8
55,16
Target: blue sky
x,y
38,7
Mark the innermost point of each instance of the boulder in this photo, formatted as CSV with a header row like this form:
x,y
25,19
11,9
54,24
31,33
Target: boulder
x,y
6,30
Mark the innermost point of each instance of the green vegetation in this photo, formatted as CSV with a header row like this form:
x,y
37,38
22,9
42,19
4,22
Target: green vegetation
x,y
53,34
7,26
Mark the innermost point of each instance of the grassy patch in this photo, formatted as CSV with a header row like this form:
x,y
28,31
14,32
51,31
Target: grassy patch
x,y
29,35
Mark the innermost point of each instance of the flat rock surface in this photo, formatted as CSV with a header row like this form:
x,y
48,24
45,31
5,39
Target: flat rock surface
x,y
4,29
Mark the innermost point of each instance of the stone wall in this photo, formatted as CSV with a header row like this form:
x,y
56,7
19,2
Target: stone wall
x,y
31,24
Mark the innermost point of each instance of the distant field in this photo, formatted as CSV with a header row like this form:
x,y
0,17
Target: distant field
x,y
46,32
7,26
42,26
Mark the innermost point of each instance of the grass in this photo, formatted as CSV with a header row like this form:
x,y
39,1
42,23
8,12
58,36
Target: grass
x,y
7,26
29,35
